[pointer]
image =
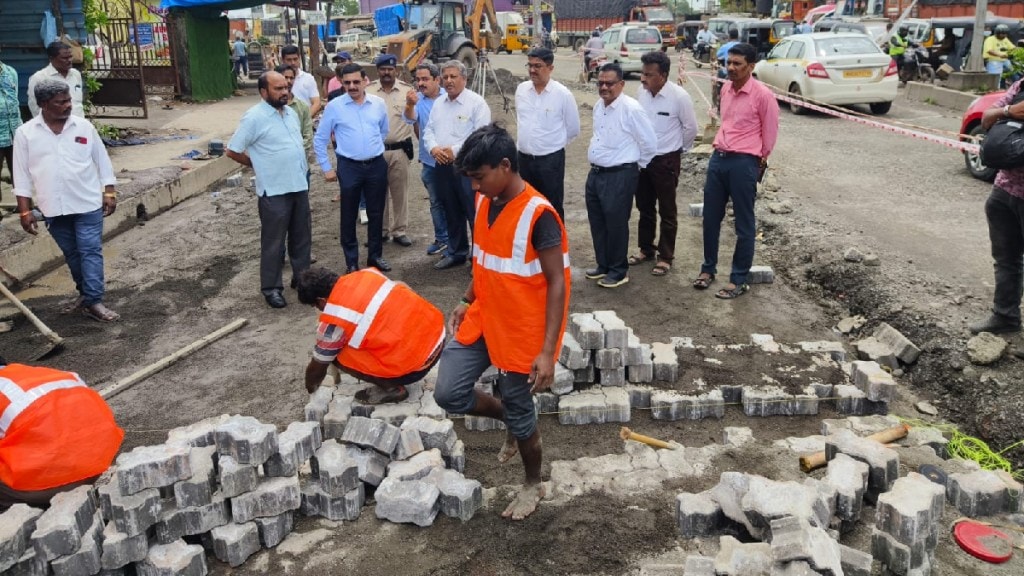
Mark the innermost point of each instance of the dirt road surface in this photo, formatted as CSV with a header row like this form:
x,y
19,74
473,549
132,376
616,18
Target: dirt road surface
x,y
195,269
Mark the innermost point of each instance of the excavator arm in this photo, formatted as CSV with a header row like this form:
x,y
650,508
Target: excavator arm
x,y
484,9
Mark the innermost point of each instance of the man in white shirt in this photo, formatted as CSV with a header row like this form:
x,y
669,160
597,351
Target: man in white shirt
x,y
60,161
305,87
623,142
594,48
670,110
548,119
452,119
59,67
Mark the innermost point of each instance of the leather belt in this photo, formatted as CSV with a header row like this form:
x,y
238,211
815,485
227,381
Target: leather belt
x,y
398,145
616,168
366,162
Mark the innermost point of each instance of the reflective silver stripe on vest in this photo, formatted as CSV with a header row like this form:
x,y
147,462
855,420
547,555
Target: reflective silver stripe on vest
x,y
517,264
364,323
21,400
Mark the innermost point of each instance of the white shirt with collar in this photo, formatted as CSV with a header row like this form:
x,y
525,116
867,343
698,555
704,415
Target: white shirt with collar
x,y
671,113
305,88
622,134
73,80
65,172
547,121
453,120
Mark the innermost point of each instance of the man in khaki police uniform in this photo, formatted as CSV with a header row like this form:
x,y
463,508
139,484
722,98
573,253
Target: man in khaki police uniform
x,y
398,147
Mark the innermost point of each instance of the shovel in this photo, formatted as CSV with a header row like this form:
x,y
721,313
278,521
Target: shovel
x,y
56,342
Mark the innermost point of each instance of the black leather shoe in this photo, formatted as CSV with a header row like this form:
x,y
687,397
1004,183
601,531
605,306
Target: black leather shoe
x,y
275,300
380,264
294,283
995,324
402,240
352,268
448,262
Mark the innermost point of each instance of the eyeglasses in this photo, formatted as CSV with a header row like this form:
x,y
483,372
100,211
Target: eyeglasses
x,y
535,66
608,84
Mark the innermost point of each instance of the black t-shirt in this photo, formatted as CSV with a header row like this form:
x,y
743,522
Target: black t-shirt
x,y
546,232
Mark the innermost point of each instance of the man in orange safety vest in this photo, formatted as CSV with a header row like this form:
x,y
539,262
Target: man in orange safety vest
x,y
513,314
373,328
55,433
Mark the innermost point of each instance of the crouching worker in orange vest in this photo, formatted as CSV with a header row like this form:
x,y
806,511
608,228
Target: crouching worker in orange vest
x,y
513,313
375,329
55,433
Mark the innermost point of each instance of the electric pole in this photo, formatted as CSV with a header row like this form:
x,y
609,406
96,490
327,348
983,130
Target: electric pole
x,y
977,60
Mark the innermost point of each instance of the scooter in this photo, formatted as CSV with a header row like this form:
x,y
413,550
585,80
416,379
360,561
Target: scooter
x,y
916,65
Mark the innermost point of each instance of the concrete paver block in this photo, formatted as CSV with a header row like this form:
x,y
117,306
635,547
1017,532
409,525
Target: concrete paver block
x,y
546,403
457,459
699,566
612,377
761,275
849,479
272,497
395,414
767,500
582,407
902,347
30,564
633,353
247,440
198,434
852,400
199,489
318,405
642,372
16,527
870,349
235,478
171,525
234,543
429,407
587,331
639,396
460,497
564,380
876,383
608,358
911,511
409,444
153,467
793,539
696,211
59,529
174,559
666,362
295,445
200,519
698,515
336,418
742,559
412,501
981,493
368,433
120,549
585,375
833,350
883,462
737,436
572,355
439,434
855,562
275,529
766,401
371,465
337,472
348,507
616,334
417,467
671,405
86,560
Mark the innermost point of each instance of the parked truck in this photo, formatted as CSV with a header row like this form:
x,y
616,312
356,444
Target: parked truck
x,y
575,20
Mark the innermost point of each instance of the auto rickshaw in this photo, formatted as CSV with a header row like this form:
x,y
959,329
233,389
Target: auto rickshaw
x,y
512,41
686,34
949,39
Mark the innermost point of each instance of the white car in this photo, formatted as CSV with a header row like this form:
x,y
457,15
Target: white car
x,y
626,43
839,69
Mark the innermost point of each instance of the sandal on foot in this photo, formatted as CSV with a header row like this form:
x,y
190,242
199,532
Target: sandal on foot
x,y
660,269
639,259
73,306
703,281
732,294
376,395
100,313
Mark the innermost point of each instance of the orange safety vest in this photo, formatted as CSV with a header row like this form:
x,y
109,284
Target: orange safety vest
x,y
391,330
511,292
54,430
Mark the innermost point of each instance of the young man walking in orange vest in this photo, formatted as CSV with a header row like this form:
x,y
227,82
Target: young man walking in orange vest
x,y
55,433
513,313
375,329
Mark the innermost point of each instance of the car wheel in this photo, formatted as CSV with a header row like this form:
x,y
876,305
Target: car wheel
x,y
879,108
973,161
794,92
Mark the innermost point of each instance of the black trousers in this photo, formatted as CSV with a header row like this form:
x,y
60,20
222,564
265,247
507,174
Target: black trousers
x,y
1005,215
369,179
456,195
284,221
547,175
656,198
609,196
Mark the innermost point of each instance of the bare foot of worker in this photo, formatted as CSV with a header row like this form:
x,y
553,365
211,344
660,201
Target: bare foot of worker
x,y
509,449
525,503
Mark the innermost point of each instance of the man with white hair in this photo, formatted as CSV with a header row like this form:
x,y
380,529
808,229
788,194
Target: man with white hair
x,y
60,161
452,119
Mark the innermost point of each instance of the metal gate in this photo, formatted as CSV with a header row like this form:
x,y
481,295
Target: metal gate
x,y
117,65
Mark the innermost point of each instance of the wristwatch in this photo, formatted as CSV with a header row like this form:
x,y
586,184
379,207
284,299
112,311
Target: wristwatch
x,y
1006,111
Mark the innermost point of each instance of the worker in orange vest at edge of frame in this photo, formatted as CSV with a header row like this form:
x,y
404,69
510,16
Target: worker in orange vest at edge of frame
x,y
56,433
372,328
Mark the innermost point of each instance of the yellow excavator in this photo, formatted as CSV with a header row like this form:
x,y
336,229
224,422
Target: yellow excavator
x,y
440,30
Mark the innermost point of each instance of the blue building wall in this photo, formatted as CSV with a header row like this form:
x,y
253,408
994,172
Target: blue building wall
x,y
21,45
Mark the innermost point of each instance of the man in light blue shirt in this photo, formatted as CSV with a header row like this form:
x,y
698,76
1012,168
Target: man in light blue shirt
x,y
359,123
269,140
241,57
417,112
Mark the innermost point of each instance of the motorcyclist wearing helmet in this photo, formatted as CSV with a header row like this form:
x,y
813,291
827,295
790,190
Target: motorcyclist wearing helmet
x,y
996,51
594,48
898,45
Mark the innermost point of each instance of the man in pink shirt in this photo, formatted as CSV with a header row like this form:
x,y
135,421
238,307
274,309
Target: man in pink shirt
x,y
1004,211
750,126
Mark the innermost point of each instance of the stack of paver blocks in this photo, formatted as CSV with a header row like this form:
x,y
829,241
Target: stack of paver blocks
x,y
907,521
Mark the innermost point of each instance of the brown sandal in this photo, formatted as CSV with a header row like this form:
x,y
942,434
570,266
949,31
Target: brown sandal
x,y
639,259
703,281
661,269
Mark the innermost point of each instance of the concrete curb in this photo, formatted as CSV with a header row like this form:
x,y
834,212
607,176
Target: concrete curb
x,y
40,254
939,96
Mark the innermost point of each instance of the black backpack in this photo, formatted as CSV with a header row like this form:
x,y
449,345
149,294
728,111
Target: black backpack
x,y
1003,146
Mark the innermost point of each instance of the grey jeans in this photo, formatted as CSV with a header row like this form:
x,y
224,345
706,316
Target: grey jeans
x,y
284,221
1005,215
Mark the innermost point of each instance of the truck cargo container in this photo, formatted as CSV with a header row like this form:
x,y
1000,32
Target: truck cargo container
x,y
575,20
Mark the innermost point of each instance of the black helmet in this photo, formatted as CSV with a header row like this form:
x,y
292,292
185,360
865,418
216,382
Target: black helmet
x,y
1002,29
595,33
904,29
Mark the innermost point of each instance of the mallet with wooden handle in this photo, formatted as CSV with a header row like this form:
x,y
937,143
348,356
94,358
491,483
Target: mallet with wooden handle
x,y
627,434
817,460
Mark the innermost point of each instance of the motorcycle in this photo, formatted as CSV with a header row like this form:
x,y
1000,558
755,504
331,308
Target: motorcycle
x,y
702,53
915,65
593,64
